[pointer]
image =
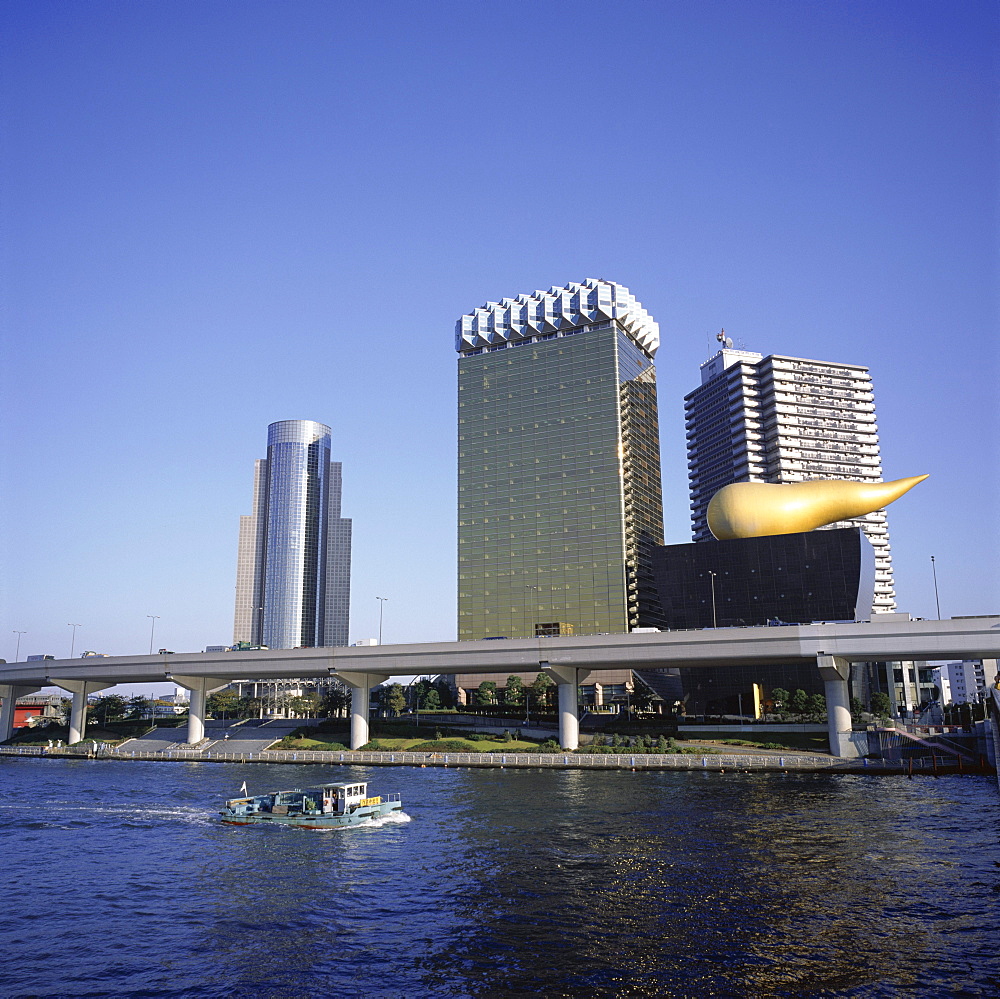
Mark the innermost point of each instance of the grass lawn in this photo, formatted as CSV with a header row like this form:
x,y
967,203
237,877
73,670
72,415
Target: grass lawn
x,y
94,733
445,745
812,742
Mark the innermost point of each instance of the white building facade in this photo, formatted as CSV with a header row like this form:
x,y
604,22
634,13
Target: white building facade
x,y
966,682
785,419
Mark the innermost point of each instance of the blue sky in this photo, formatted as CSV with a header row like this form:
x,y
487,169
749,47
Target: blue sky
x,y
219,215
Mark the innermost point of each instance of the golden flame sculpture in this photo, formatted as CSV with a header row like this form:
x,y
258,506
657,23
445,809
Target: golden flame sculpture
x,y
760,509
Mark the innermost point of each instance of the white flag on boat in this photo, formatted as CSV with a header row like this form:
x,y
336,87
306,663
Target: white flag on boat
x,y
243,790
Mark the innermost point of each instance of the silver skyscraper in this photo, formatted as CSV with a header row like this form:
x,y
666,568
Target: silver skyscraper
x,y
293,577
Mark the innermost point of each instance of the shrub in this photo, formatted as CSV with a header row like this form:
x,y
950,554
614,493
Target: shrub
x,y
441,746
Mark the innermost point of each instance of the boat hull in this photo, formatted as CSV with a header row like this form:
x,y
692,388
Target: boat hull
x,y
359,816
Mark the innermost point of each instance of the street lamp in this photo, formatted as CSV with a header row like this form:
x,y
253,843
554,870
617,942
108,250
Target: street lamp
x,y
936,600
712,574
416,697
153,618
381,607
17,653
72,644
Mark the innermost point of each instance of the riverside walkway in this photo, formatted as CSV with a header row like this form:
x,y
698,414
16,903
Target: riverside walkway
x,y
719,762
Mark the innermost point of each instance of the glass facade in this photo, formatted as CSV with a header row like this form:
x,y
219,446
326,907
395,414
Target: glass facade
x,y
559,485
298,459
293,575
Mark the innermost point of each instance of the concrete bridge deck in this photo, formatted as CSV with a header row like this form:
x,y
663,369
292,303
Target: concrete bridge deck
x,y
568,659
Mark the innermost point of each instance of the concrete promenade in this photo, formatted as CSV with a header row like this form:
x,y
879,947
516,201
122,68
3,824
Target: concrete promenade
x,y
567,659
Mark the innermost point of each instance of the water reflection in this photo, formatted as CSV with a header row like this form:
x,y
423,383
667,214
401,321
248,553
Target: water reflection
x,y
700,885
506,883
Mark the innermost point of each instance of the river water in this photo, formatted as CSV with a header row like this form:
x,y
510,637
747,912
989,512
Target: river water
x,y
118,880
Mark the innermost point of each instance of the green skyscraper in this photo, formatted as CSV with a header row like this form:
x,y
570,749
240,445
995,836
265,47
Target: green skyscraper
x,y
559,491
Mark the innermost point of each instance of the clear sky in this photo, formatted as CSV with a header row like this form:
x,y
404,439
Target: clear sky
x,y
217,215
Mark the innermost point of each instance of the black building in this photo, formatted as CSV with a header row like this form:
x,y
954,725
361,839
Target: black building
x,y
783,579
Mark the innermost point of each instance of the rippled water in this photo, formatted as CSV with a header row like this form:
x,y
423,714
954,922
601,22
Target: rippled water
x,y
118,880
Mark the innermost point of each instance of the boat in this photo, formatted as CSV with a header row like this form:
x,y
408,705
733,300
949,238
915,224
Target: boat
x,y
329,806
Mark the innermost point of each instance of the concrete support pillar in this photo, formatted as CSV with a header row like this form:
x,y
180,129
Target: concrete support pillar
x,y
200,687
10,693
568,678
361,686
81,690
835,673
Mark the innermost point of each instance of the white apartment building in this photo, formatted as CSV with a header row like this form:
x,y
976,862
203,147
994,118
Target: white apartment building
x,y
967,681
785,419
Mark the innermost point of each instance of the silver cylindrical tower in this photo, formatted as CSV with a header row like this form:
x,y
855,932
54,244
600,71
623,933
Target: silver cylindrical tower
x,y
294,584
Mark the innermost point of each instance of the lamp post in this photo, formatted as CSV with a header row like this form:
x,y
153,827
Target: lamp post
x,y
712,575
17,652
936,600
72,644
153,618
381,607
416,698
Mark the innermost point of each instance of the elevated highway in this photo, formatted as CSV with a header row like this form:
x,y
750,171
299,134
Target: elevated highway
x,y
568,659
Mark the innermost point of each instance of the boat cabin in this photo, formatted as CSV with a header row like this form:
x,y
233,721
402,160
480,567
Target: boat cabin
x,y
341,798
329,799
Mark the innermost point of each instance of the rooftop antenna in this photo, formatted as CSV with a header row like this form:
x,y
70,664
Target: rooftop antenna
x,y
727,342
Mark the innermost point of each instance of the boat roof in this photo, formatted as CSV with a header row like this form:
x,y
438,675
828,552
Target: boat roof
x,y
321,787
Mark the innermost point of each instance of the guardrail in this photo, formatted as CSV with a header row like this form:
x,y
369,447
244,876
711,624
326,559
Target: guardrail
x,y
561,761
582,761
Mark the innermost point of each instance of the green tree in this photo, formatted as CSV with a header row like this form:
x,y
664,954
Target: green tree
x,y
250,707
486,694
780,697
420,690
305,705
139,707
642,698
857,709
513,694
543,690
446,692
392,698
336,699
817,707
109,708
431,700
881,705
799,702
223,704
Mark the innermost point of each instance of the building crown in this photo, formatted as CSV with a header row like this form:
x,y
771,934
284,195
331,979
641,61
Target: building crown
x,y
542,312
